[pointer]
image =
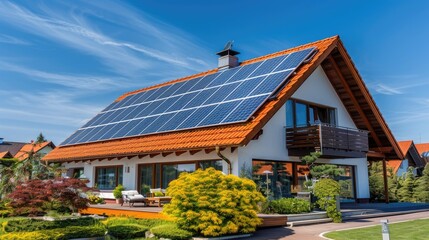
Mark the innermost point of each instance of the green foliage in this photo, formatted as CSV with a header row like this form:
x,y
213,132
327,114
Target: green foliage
x,y
171,231
127,231
145,189
394,184
40,138
210,203
58,234
117,192
94,199
29,225
326,191
376,182
326,171
287,206
310,159
406,192
153,222
346,188
158,194
422,186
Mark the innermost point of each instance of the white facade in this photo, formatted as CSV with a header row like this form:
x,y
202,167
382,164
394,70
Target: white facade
x,y
271,145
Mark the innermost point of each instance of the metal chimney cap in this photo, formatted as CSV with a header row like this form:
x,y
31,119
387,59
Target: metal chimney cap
x,y
227,50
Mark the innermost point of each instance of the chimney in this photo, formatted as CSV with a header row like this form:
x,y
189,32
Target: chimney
x,y
227,58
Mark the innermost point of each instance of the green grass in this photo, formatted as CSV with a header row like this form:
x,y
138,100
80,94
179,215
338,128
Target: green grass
x,y
416,230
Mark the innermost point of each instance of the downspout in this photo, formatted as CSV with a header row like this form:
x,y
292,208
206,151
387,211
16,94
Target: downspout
x,y
224,158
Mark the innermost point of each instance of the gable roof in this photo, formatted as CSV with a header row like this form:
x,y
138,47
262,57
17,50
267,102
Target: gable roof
x,y
232,135
410,152
422,147
6,155
35,147
12,147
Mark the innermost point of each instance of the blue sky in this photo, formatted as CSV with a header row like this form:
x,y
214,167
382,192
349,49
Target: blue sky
x,y
63,61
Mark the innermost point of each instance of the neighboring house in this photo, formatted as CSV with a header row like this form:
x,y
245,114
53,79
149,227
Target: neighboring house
x,y
6,154
256,117
11,147
38,148
411,159
423,149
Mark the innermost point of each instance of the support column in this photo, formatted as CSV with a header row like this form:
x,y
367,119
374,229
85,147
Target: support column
x,y
386,188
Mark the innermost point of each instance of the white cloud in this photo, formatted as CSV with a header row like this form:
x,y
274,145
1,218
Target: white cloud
x,y
384,89
12,40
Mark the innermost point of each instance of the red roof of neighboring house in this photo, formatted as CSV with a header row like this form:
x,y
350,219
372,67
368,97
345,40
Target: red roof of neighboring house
x,y
232,135
5,155
394,164
35,147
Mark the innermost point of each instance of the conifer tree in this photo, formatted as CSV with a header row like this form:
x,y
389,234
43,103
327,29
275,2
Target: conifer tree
x,y
40,138
406,192
422,186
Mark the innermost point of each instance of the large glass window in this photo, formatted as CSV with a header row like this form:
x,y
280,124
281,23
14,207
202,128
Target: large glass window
x,y
299,114
146,178
346,180
208,164
171,172
107,178
274,179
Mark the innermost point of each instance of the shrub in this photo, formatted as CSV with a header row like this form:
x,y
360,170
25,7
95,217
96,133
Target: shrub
x,y
58,233
170,231
117,192
29,225
153,222
287,206
326,191
111,221
422,189
406,191
94,199
210,203
26,236
39,196
127,231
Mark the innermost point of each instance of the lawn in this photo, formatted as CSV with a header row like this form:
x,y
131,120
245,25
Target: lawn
x,y
416,230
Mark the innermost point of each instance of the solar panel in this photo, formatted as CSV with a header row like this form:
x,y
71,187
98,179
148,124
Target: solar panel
x,y
224,97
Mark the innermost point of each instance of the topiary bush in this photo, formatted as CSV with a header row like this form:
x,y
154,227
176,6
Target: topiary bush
x,y
27,235
287,206
209,203
327,191
127,231
171,231
58,233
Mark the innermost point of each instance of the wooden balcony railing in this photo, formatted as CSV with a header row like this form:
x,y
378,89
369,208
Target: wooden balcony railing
x,y
331,141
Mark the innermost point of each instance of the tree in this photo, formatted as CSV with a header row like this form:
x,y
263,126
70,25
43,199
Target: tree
x,y
209,203
36,196
310,159
326,171
376,182
406,192
40,138
422,186
394,184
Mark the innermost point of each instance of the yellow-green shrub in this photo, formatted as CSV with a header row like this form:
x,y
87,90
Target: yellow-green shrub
x,y
326,191
27,235
210,203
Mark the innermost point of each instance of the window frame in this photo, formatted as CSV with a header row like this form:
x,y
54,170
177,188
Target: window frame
x,y
97,169
333,120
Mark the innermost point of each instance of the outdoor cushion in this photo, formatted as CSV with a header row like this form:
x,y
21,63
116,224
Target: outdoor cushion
x,y
135,197
130,192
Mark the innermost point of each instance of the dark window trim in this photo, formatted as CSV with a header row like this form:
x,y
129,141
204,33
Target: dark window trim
x,y
309,104
97,168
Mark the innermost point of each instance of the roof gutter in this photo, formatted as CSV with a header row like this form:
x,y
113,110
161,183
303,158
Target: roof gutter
x,y
224,158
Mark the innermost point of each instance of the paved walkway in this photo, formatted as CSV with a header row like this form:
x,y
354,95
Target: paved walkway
x,y
312,231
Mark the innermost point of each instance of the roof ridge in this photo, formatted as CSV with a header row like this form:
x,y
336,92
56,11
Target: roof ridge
x,y
245,62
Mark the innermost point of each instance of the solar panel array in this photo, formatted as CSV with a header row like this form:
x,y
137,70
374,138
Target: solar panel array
x,y
224,97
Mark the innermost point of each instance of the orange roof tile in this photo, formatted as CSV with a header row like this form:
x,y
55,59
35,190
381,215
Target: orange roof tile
x,y
35,147
394,164
231,135
5,154
422,147
405,146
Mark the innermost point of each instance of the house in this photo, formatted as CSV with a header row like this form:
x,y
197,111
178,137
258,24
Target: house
x,y
20,150
38,148
263,113
423,149
9,149
411,159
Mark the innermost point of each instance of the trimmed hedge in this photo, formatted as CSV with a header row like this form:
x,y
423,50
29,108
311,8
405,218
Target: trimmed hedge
x,y
57,234
171,231
128,231
30,225
287,206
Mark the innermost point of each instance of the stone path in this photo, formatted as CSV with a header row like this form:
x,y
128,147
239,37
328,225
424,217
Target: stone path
x,y
312,232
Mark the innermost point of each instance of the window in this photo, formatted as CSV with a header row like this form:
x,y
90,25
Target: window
x,y
107,178
300,114
274,179
77,172
159,175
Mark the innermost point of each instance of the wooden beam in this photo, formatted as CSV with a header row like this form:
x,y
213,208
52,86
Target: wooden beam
x,y
375,155
153,155
386,188
209,150
110,158
142,156
129,157
193,152
354,100
178,153
165,154
382,149
233,149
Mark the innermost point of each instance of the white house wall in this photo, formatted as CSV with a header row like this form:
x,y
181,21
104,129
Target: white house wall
x,y
271,145
130,178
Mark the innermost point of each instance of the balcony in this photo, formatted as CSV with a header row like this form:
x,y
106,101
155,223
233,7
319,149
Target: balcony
x,y
331,141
